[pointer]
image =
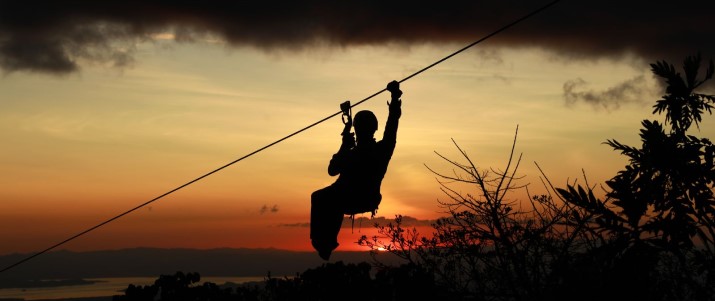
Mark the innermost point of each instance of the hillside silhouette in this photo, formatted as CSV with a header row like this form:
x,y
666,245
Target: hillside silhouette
x,y
150,262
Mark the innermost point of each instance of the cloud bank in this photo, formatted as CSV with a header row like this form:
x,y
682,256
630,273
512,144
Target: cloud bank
x,y
268,209
630,91
57,37
407,221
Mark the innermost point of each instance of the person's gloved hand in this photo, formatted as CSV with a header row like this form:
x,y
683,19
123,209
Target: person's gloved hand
x,y
394,88
396,103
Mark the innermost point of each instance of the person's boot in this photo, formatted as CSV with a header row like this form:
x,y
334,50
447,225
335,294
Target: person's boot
x,y
324,248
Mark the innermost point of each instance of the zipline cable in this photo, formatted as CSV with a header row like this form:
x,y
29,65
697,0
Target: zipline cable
x,y
284,138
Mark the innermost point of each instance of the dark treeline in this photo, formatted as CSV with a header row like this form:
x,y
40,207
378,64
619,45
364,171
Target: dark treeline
x,y
650,237
150,262
330,281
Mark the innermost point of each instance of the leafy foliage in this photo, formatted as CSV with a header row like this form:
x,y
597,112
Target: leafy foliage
x,y
661,212
681,105
665,193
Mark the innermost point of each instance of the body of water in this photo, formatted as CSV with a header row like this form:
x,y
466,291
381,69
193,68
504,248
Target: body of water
x,y
104,287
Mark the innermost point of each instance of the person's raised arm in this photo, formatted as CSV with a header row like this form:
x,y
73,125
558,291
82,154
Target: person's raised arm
x,y
338,161
395,107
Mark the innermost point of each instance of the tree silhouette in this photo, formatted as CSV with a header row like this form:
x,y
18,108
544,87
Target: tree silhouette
x,y
659,214
329,281
178,287
490,247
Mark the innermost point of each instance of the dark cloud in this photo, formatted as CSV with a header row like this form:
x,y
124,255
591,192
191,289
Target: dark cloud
x,y
58,36
407,221
268,209
630,91
295,225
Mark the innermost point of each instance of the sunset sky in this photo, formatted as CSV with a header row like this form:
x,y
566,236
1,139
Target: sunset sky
x,y
104,106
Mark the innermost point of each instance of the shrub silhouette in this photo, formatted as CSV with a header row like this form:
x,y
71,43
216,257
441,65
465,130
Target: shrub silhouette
x,y
177,287
489,248
330,281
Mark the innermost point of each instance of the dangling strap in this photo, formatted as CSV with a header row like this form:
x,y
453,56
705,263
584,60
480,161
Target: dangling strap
x,y
352,223
352,220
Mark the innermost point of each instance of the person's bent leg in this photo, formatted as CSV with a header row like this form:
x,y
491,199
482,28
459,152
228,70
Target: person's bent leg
x,y
325,221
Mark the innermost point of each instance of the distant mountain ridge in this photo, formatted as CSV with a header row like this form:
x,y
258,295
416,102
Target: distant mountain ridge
x,y
151,262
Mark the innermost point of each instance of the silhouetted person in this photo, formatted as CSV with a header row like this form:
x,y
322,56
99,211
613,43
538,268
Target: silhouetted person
x,y
361,168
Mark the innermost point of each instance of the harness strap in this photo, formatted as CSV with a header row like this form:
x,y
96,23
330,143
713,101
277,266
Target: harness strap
x,y
352,220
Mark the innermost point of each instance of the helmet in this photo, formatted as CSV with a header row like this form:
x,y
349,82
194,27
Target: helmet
x,y
365,121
